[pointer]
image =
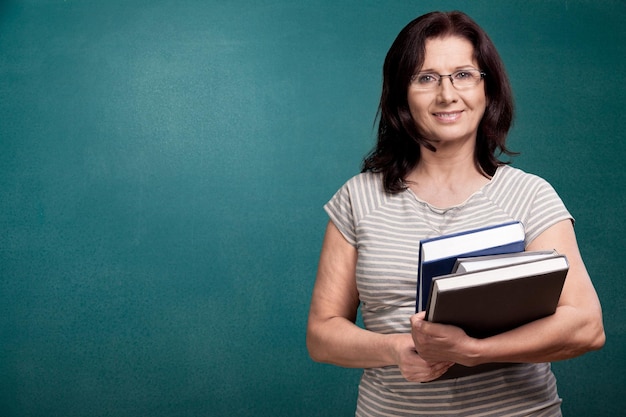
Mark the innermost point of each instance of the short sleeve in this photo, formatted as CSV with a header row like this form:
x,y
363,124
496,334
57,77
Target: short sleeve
x,y
341,213
547,210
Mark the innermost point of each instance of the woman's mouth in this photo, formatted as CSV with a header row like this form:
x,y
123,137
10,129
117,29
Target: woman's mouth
x,y
448,116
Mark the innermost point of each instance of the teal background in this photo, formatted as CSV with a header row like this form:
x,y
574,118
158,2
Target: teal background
x,y
163,168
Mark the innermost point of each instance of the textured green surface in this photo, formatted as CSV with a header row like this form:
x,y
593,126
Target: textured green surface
x,y
162,170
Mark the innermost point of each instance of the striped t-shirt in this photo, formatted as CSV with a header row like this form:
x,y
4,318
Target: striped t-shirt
x,y
386,230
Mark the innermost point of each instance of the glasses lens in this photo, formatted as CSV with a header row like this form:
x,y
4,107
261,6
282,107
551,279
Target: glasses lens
x,y
425,81
466,78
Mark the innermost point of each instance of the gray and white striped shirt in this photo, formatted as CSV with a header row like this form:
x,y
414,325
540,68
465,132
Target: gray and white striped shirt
x,y
386,230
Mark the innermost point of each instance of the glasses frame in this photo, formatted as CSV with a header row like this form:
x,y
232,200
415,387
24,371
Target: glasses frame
x,y
450,76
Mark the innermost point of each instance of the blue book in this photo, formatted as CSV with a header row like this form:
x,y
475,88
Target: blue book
x,y
438,255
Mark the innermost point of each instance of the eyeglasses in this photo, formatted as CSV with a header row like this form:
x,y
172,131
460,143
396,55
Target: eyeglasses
x,y
461,79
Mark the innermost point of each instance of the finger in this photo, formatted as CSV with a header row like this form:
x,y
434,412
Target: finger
x,y
439,370
418,316
443,365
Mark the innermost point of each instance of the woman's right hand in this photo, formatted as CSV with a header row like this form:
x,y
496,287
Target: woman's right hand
x,y
411,364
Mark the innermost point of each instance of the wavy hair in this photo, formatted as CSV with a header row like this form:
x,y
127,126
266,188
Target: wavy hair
x,y
397,150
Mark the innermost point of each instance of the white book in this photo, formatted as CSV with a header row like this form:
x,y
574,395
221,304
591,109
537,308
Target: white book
x,y
477,263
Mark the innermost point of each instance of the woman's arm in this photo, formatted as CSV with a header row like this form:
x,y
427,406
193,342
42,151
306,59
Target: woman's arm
x,y
575,328
332,336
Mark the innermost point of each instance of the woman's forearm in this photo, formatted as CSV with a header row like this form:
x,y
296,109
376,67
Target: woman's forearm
x,y
340,342
566,334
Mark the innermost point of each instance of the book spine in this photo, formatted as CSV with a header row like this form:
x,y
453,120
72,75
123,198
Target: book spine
x,y
418,288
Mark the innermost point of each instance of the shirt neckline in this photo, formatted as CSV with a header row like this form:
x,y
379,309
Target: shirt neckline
x,y
444,210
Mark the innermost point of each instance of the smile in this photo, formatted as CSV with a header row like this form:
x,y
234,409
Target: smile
x,y
448,116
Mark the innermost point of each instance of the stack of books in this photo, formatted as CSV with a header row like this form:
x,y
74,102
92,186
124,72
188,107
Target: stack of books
x,y
485,283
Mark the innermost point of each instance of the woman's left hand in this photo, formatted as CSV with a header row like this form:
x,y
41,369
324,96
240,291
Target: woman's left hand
x,y
439,342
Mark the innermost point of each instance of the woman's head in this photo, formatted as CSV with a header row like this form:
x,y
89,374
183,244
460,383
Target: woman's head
x,y
399,140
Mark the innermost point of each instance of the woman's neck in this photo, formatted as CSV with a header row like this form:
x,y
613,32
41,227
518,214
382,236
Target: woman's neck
x,y
445,180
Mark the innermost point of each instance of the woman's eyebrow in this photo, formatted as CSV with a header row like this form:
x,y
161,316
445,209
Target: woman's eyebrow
x,y
461,67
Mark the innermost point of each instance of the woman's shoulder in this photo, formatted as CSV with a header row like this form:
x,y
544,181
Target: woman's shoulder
x,y
528,198
365,182
363,192
514,186
358,197
509,175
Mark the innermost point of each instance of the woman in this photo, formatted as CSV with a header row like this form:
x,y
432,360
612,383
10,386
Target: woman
x,y
445,110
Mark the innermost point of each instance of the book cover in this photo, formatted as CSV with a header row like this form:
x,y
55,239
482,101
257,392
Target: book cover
x,y
491,301
438,255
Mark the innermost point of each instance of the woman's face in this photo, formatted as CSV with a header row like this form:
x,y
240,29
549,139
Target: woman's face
x,y
444,114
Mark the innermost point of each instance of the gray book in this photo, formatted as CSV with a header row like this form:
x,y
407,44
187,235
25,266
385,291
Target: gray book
x,y
491,301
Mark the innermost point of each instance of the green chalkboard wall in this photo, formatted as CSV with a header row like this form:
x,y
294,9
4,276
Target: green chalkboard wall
x,y
163,167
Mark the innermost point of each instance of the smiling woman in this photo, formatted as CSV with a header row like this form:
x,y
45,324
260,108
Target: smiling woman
x,y
435,170
162,168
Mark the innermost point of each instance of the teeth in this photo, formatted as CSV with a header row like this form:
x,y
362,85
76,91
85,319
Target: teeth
x,y
447,115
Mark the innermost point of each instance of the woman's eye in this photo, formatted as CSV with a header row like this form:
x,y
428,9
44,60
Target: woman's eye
x,y
426,78
462,75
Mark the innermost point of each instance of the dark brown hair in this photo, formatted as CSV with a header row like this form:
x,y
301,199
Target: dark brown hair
x,y
397,149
